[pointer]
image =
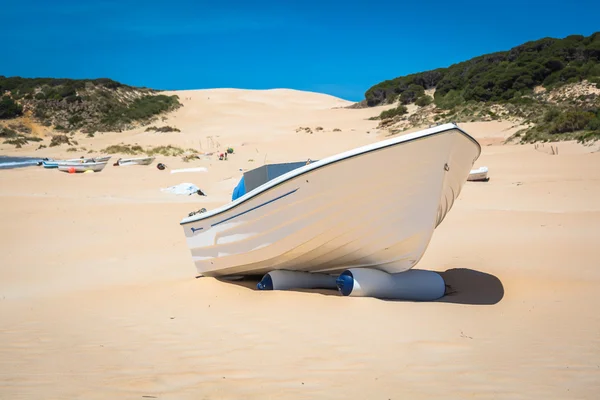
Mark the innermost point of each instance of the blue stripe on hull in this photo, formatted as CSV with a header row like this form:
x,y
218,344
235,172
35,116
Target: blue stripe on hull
x,y
194,230
255,207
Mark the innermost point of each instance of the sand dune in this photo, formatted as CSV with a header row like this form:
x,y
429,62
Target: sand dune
x,y
99,299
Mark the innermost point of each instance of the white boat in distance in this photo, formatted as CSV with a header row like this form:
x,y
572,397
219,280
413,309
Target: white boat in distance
x,y
135,161
479,174
82,166
56,163
375,206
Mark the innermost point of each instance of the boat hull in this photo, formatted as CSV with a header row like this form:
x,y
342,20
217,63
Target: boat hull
x,y
376,206
136,161
82,167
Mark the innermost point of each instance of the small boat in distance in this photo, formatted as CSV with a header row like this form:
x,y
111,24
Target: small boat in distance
x,y
50,163
82,166
56,163
479,174
375,206
134,161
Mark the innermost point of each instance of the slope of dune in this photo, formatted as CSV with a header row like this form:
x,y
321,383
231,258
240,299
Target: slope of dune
x,y
99,299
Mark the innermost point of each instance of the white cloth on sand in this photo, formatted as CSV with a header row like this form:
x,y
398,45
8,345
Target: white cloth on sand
x,y
199,169
182,188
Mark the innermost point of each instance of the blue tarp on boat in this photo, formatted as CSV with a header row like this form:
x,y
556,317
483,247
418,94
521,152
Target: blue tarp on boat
x,y
261,175
239,190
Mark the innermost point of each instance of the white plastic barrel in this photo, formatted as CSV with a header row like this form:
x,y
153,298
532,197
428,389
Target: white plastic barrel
x,y
283,279
414,284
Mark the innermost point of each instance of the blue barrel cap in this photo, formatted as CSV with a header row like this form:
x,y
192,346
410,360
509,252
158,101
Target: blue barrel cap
x,y
266,283
345,283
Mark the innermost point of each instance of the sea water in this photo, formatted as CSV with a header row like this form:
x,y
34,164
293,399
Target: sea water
x,y
7,162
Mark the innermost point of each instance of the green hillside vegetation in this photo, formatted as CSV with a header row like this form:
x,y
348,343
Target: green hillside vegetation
x,y
400,110
136,149
90,105
466,90
12,135
9,108
501,76
555,124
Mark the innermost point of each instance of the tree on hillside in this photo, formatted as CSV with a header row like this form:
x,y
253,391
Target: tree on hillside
x,y
9,108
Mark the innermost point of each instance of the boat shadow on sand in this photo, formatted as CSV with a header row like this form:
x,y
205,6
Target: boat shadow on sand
x,y
463,286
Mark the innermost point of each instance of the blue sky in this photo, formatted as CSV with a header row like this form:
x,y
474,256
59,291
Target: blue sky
x,y
336,47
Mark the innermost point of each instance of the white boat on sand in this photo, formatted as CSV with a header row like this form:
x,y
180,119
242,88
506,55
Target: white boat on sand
x,y
103,158
375,206
82,166
135,161
479,174
56,163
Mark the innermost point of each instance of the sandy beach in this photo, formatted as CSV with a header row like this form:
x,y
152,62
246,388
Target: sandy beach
x,y
99,297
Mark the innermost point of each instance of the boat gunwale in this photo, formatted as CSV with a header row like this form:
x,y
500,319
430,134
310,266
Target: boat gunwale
x,y
369,148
